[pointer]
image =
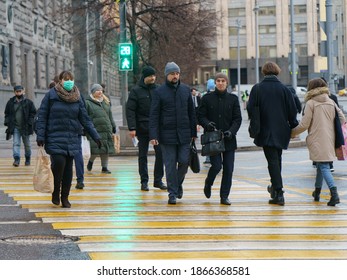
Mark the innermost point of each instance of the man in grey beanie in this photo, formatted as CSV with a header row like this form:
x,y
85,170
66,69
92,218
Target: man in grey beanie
x,y
172,124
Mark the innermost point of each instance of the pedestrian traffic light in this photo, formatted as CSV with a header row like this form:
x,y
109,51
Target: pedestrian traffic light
x,y
125,52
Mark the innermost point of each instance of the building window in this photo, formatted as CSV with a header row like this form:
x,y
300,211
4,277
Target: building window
x,y
302,50
268,51
233,53
300,27
267,11
37,69
237,12
10,13
47,70
233,31
300,9
11,62
267,29
35,25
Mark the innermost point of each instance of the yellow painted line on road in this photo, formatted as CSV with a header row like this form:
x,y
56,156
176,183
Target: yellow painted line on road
x,y
228,212
199,224
234,254
214,237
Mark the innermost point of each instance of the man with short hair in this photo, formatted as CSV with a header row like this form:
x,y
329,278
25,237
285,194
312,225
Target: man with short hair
x,y
19,119
172,124
137,113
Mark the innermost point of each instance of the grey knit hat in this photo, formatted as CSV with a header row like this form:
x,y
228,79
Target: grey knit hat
x,y
221,75
95,87
171,67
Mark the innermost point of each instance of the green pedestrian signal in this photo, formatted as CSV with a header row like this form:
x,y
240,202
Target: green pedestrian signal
x,y
125,52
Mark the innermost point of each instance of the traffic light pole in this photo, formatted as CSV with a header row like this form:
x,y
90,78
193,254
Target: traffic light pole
x,y
329,32
293,53
123,74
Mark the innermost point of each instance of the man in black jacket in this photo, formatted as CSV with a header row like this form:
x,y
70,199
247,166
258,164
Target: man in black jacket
x,y
221,110
172,124
19,118
137,112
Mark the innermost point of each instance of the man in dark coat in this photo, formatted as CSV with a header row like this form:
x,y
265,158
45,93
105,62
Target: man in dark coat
x,y
277,118
19,119
137,113
172,124
221,110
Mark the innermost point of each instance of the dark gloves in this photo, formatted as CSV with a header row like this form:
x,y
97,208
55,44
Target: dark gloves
x,y
211,126
228,135
114,130
40,143
98,142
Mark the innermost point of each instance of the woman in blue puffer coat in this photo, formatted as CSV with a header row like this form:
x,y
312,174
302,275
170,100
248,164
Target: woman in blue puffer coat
x,y
59,123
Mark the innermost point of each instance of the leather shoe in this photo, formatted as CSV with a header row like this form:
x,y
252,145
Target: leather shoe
x,y
225,201
180,192
172,200
160,185
144,187
207,190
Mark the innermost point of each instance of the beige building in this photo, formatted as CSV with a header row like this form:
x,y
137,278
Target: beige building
x,y
274,39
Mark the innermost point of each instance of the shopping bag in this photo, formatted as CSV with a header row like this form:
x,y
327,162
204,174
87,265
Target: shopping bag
x,y
43,179
194,162
85,148
116,142
341,152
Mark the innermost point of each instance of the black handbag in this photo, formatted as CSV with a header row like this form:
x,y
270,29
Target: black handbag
x,y
8,134
339,139
212,143
194,162
254,123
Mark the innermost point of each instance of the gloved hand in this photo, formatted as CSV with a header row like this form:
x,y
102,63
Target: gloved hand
x,y
228,135
211,126
40,143
98,142
114,129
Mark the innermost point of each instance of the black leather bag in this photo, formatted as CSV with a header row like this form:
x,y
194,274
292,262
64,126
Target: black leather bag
x,y
212,143
254,123
339,139
8,134
194,162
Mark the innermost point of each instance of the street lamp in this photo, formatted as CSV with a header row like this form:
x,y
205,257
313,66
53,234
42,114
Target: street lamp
x,y
256,9
238,25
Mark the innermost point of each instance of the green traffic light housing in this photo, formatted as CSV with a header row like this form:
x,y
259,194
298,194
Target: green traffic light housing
x,y
125,52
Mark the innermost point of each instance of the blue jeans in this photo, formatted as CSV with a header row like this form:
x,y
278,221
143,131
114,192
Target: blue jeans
x,y
323,172
176,161
16,144
226,160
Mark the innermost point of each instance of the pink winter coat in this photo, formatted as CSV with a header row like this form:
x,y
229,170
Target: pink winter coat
x,y
318,119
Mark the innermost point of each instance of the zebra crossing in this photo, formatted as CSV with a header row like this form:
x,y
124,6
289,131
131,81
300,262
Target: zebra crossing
x,y
114,220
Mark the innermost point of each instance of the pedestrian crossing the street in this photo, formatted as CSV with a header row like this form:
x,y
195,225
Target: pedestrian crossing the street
x,y
114,220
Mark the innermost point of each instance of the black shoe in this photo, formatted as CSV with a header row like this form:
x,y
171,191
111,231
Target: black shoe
x,y
27,161
180,192
316,194
105,170
144,187
55,199
172,200
65,202
160,185
79,186
16,163
225,201
278,199
89,166
271,191
207,190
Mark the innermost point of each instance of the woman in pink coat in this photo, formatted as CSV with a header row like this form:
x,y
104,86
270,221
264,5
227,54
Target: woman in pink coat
x,y
318,119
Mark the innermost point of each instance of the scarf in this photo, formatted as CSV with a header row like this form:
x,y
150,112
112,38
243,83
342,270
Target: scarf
x,y
70,97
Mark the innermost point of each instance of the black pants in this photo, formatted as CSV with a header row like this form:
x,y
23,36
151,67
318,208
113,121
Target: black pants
x,y
274,165
143,162
62,171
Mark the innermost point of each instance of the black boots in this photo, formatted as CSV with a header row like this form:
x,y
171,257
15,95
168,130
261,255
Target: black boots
x,y
334,199
56,198
278,198
89,165
271,191
207,189
316,194
105,170
65,202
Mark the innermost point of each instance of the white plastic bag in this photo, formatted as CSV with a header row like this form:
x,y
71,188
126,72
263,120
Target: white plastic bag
x,y
85,148
43,179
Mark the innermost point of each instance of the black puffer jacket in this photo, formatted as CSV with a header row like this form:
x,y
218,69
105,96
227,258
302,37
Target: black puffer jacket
x,y
172,117
28,110
138,107
223,109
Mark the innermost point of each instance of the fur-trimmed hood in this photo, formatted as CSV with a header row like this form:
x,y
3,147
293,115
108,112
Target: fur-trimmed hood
x,y
320,91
